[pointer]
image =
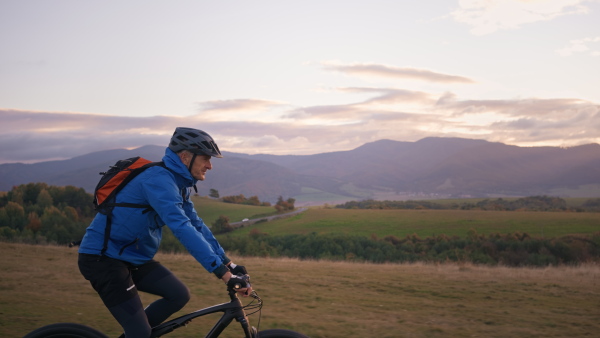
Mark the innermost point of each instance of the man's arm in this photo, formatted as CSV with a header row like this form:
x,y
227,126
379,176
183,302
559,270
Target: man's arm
x,y
163,195
199,224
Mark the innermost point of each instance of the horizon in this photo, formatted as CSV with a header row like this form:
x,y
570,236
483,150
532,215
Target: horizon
x,y
79,77
237,152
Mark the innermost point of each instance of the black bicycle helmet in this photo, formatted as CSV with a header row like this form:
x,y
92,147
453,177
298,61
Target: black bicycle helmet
x,y
195,141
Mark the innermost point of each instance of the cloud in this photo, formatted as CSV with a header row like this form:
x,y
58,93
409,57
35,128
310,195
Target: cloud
x,y
581,46
324,112
31,136
239,109
548,108
237,105
391,95
386,113
378,105
489,16
378,70
34,136
537,130
562,122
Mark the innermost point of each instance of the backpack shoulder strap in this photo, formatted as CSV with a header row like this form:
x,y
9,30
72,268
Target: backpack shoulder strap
x,y
108,207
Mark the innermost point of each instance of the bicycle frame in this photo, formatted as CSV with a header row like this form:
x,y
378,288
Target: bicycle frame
x,y
232,310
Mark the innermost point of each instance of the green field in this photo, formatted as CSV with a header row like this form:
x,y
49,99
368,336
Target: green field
x,y
209,210
572,202
40,285
427,223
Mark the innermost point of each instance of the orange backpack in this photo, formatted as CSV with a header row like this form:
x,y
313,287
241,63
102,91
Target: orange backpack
x,y
112,181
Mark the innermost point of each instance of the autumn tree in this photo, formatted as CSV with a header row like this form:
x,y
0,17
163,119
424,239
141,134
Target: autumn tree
x,y
285,205
44,199
33,222
214,193
13,216
221,225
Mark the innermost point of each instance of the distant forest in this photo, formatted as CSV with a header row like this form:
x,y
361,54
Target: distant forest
x,y
37,213
517,249
533,203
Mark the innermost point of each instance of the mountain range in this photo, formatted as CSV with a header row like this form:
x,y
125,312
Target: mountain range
x,y
385,169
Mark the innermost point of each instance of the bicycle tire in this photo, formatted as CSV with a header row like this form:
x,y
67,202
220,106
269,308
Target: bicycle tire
x,y
280,333
65,330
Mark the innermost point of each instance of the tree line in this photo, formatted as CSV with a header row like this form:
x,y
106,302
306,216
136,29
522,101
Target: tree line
x,y
241,199
39,213
517,249
280,206
531,203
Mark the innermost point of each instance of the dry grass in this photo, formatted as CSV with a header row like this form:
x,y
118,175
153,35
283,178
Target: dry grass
x,y
41,285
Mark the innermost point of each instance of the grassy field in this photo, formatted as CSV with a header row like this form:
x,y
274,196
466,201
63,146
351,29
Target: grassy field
x,y
210,210
430,222
40,285
572,202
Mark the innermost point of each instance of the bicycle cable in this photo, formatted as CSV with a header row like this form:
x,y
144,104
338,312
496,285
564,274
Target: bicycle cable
x,y
257,307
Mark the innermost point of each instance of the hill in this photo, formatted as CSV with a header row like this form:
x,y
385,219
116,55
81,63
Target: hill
x,y
385,169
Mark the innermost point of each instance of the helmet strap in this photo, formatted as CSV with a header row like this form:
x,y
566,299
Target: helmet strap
x,y
190,169
191,163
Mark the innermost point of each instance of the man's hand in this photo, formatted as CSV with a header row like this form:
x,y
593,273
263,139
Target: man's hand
x,y
239,283
237,269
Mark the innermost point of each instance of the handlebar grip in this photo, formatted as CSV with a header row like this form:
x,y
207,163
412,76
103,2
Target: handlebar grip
x,y
238,282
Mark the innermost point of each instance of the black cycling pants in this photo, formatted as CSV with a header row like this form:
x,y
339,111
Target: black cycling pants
x,y
118,283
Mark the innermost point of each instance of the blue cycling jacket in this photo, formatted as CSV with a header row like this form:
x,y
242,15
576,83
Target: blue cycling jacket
x,y
135,235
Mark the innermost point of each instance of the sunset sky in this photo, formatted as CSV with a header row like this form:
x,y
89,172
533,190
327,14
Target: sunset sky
x,y
295,77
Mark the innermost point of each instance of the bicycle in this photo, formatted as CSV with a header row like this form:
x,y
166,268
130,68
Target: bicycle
x,y
232,310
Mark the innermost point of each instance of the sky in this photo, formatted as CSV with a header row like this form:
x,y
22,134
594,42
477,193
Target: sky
x,y
295,77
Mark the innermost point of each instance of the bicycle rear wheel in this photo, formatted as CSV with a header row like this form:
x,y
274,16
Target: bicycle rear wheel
x,y
280,333
65,330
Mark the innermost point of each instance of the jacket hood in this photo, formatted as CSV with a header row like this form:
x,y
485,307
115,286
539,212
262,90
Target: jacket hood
x,y
173,162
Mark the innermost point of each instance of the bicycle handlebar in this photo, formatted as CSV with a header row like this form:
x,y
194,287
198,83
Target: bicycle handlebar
x,y
238,282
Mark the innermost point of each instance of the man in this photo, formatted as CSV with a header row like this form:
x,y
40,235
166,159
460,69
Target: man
x,y
125,266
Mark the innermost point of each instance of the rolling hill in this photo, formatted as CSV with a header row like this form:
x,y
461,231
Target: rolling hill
x,y
431,167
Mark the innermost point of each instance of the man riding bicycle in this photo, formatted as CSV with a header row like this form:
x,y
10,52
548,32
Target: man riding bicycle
x,y
124,265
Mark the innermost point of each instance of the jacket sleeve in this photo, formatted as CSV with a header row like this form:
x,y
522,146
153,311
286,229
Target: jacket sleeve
x,y
163,195
199,224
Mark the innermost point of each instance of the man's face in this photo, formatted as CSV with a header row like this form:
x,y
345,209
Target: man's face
x,y
200,166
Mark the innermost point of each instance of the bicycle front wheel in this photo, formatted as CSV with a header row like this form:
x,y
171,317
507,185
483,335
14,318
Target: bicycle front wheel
x,y
280,333
65,330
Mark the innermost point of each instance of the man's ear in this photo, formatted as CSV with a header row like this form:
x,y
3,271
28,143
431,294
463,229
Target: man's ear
x,y
183,156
